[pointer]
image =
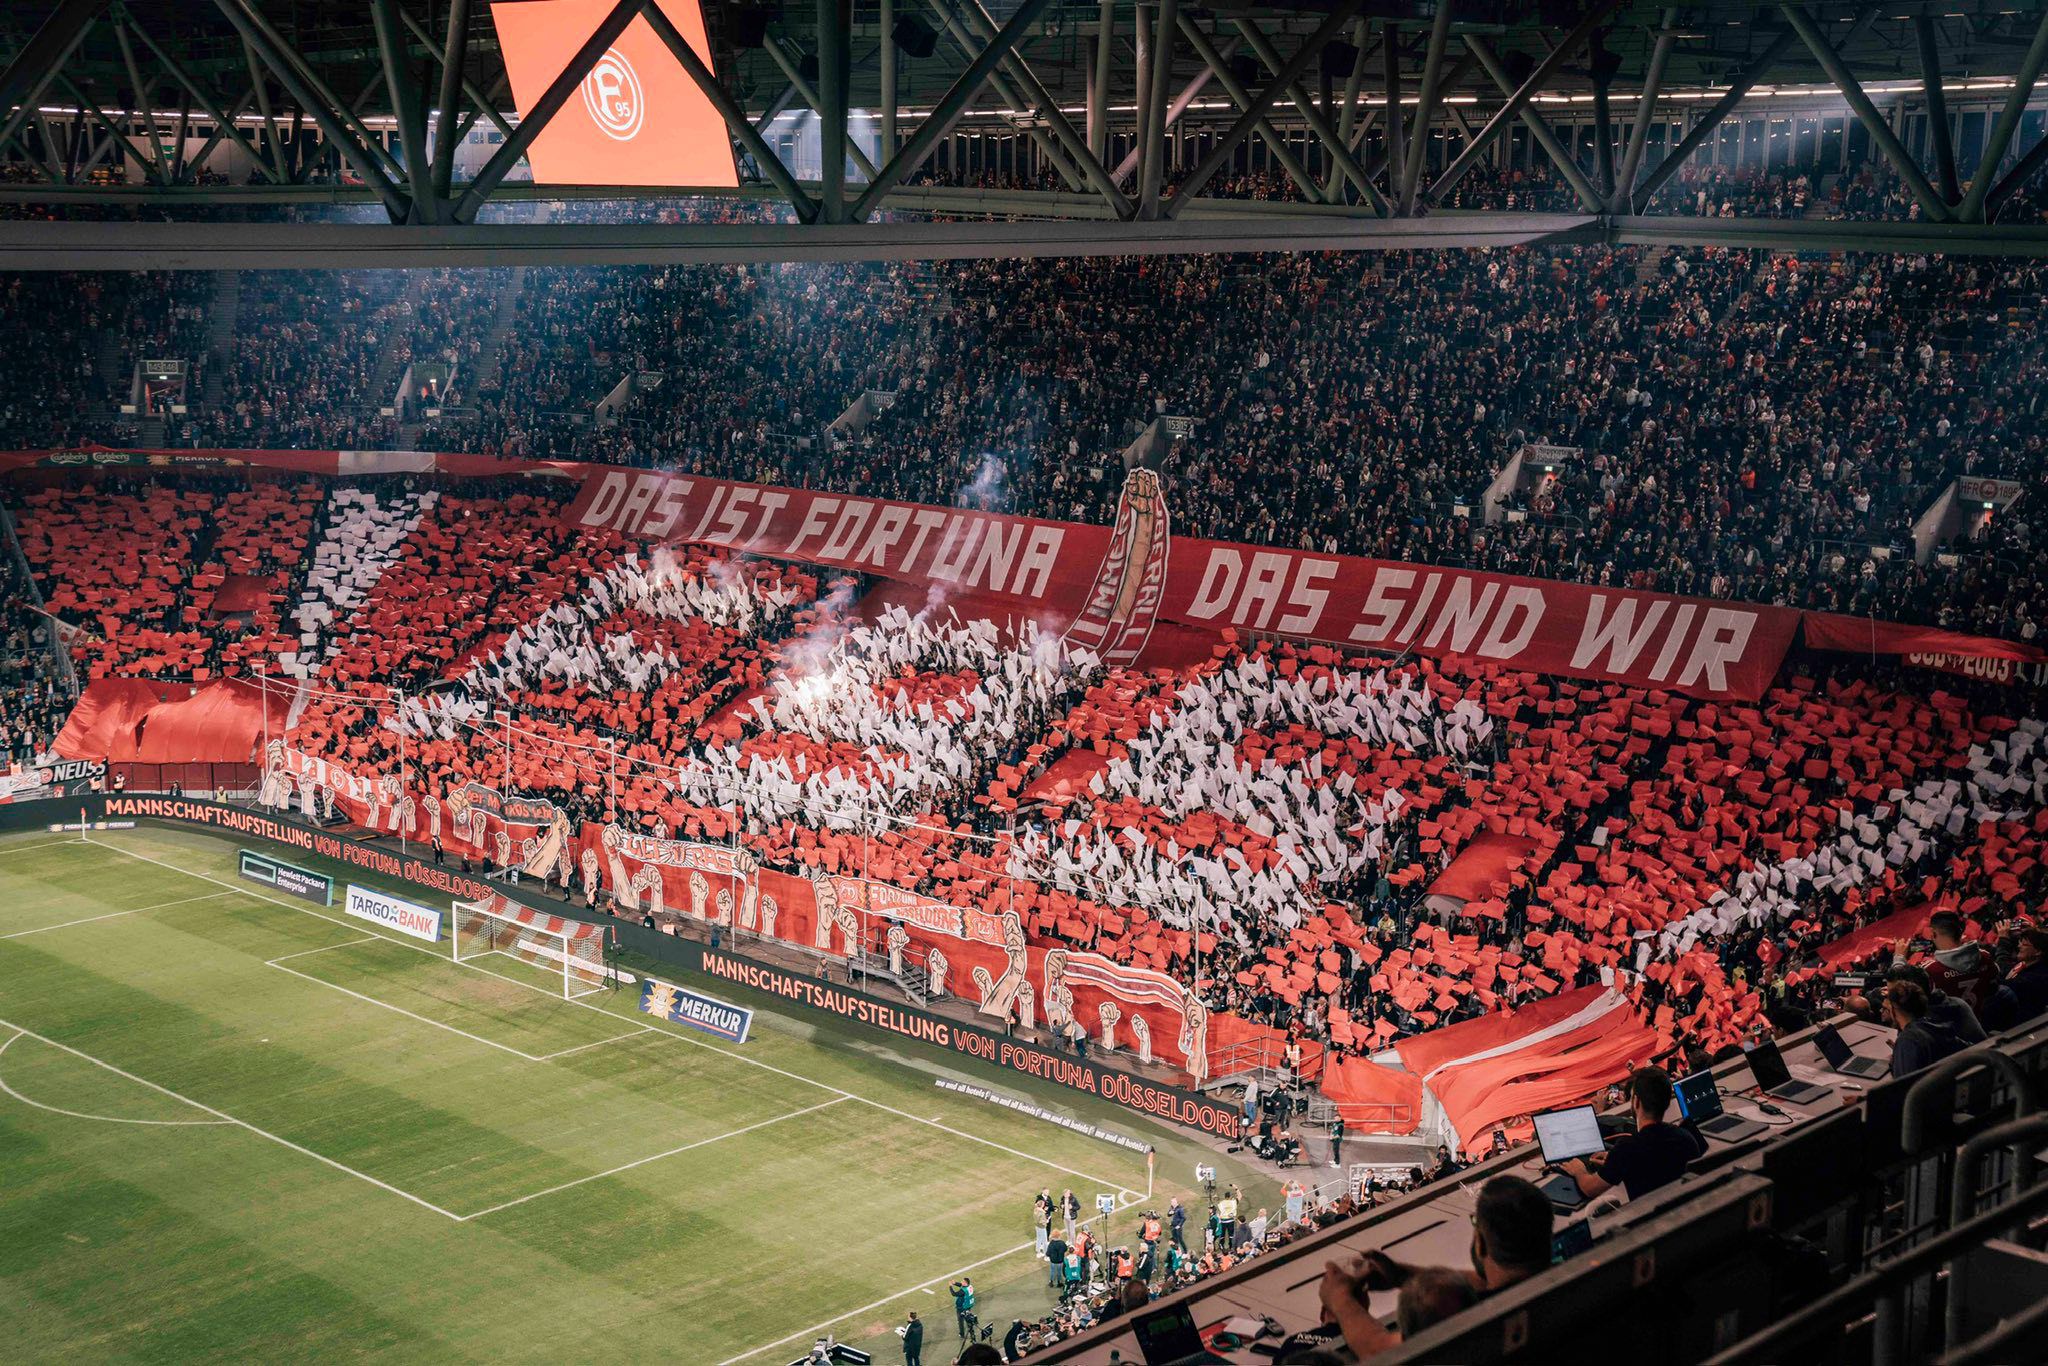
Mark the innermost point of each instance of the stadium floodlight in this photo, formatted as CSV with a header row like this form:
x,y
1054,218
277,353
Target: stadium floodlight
x,y
552,943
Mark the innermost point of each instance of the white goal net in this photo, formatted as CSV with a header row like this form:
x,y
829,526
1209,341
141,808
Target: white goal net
x,y
572,949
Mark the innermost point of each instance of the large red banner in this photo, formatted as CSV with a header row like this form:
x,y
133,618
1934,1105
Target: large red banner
x,y
1693,645
1690,645
1929,647
1655,640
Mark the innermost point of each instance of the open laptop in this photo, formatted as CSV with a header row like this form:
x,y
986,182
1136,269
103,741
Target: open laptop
x,y
1699,1100
1767,1065
1845,1059
1168,1337
1563,1135
1569,1241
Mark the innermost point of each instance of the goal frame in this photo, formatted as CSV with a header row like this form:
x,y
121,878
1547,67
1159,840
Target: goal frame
x,y
535,942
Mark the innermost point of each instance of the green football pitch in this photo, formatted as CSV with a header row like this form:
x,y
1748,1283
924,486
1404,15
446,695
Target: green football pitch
x,y
235,1125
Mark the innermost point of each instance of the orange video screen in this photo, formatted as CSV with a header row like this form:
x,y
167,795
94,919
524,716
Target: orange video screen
x,y
638,118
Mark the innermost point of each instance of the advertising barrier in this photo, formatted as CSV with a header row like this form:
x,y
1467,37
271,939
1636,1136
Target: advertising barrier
x,y
1144,1097
680,1005
420,922
1025,1107
317,888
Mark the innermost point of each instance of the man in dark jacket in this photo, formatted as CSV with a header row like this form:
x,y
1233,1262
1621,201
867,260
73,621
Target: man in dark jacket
x,y
2023,994
913,1341
1920,1044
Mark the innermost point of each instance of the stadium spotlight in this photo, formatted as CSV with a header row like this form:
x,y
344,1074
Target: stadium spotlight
x,y
914,36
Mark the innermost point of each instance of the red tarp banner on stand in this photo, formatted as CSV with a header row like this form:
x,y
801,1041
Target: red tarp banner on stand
x,y
1373,1098
1424,1053
1488,859
1928,647
1878,934
1556,1071
107,713
1691,645
222,723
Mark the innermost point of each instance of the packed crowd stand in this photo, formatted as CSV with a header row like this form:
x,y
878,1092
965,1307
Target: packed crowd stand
x,y
1751,425
1264,825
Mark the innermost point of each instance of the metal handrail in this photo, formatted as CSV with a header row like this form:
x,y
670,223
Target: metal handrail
x,y
1926,1092
1772,1342
2001,1342
2016,1137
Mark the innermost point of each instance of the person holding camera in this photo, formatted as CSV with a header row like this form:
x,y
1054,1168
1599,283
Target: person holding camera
x,y
963,1308
1510,1243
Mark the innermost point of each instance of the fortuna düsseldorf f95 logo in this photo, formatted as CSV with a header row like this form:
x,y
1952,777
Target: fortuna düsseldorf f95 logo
x,y
611,92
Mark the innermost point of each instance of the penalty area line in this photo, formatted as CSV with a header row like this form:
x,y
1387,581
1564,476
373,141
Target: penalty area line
x,y
584,1047
655,1157
227,1118
401,1010
116,915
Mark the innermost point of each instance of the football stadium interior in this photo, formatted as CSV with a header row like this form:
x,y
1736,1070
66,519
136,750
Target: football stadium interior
x,y
1098,681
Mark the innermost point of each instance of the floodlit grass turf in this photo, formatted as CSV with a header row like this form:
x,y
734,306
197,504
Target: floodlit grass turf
x,y
582,1182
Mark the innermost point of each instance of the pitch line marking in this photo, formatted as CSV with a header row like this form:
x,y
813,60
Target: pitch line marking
x,y
665,1033
401,1010
655,1157
104,1119
39,844
114,915
583,1047
226,1118
325,948
816,1328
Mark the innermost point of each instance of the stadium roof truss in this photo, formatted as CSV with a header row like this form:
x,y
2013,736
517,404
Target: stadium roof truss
x,y
340,102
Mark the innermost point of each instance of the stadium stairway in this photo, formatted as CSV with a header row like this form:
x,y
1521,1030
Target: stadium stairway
x,y
220,335
382,390
490,358
113,382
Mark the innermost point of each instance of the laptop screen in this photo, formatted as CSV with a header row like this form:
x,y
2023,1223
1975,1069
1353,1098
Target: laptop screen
x,y
1571,1240
1698,1098
1829,1041
1167,1336
1767,1065
1566,1134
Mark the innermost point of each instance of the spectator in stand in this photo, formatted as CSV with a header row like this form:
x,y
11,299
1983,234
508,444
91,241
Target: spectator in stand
x,y
1957,967
1920,1044
1510,1243
2023,994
